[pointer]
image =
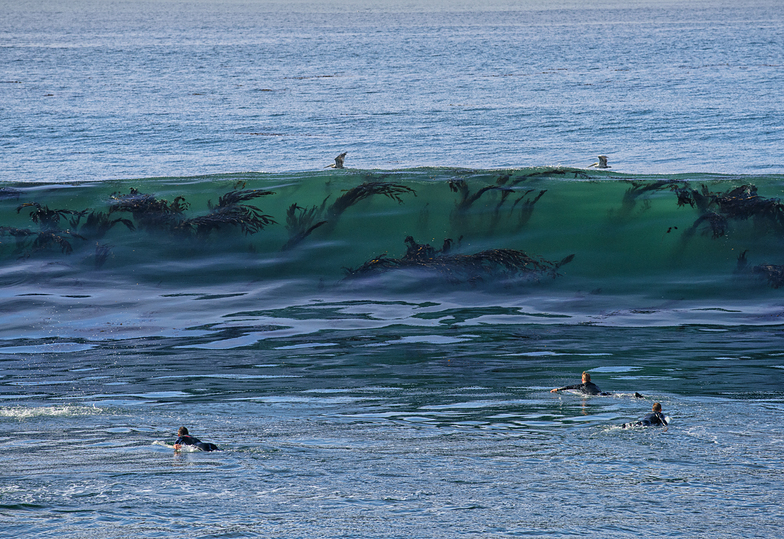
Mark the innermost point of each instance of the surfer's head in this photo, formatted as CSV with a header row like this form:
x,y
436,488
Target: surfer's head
x,y
586,377
182,431
656,407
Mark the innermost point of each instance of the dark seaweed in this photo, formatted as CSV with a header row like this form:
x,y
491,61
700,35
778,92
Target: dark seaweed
x,y
491,264
527,206
467,198
97,224
637,191
559,171
148,212
366,190
44,217
741,203
230,211
50,234
301,222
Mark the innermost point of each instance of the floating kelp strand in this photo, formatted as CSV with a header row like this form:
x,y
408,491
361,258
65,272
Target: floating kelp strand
x,y
149,212
491,263
49,234
249,219
699,199
365,190
546,172
639,190
467,198
716,223
230,211
44,217
527,206
740,203
47,238
102,253
98,224
300,223
743,203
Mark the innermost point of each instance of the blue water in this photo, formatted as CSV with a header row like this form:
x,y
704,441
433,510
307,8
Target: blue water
x,y
373,348
150,89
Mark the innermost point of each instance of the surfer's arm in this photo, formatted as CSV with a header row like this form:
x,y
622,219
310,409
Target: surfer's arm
x,y
565,387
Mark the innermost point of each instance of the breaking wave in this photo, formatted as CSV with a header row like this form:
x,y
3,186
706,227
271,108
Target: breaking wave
x,y
587,245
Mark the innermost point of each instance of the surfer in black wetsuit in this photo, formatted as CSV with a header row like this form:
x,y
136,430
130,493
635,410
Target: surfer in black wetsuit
x,y
187,439
587,387
654,419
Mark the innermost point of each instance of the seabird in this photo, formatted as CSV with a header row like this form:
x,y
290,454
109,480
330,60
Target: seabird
x,y
601,164
338,161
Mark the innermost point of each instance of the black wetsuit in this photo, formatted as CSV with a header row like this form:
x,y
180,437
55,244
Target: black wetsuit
x,y
654,419
589,388
190,440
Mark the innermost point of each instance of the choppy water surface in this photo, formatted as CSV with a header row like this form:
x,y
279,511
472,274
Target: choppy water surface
x,y
152,89
373,348
398,433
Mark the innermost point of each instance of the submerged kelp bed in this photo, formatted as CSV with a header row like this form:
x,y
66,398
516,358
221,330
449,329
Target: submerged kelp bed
x,y
699,233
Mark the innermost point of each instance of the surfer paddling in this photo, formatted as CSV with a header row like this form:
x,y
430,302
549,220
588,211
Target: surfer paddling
x,y
589,388
338,161
186,439
654,419
586,387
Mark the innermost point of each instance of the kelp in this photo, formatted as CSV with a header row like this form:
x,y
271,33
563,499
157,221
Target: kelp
x,y
526,206
505,185
44,217
49,234
154,214
41,240
150,213
230,211
491,264
366,190
97,224
740,204
301,222
639,191
468,198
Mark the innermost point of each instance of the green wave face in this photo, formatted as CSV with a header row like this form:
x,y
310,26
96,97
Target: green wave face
x,y
552,232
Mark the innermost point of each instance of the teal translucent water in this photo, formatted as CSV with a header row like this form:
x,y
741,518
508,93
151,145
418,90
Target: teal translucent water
x,y
600,243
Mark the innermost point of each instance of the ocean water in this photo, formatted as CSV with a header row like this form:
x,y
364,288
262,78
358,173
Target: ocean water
x,y
373,347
